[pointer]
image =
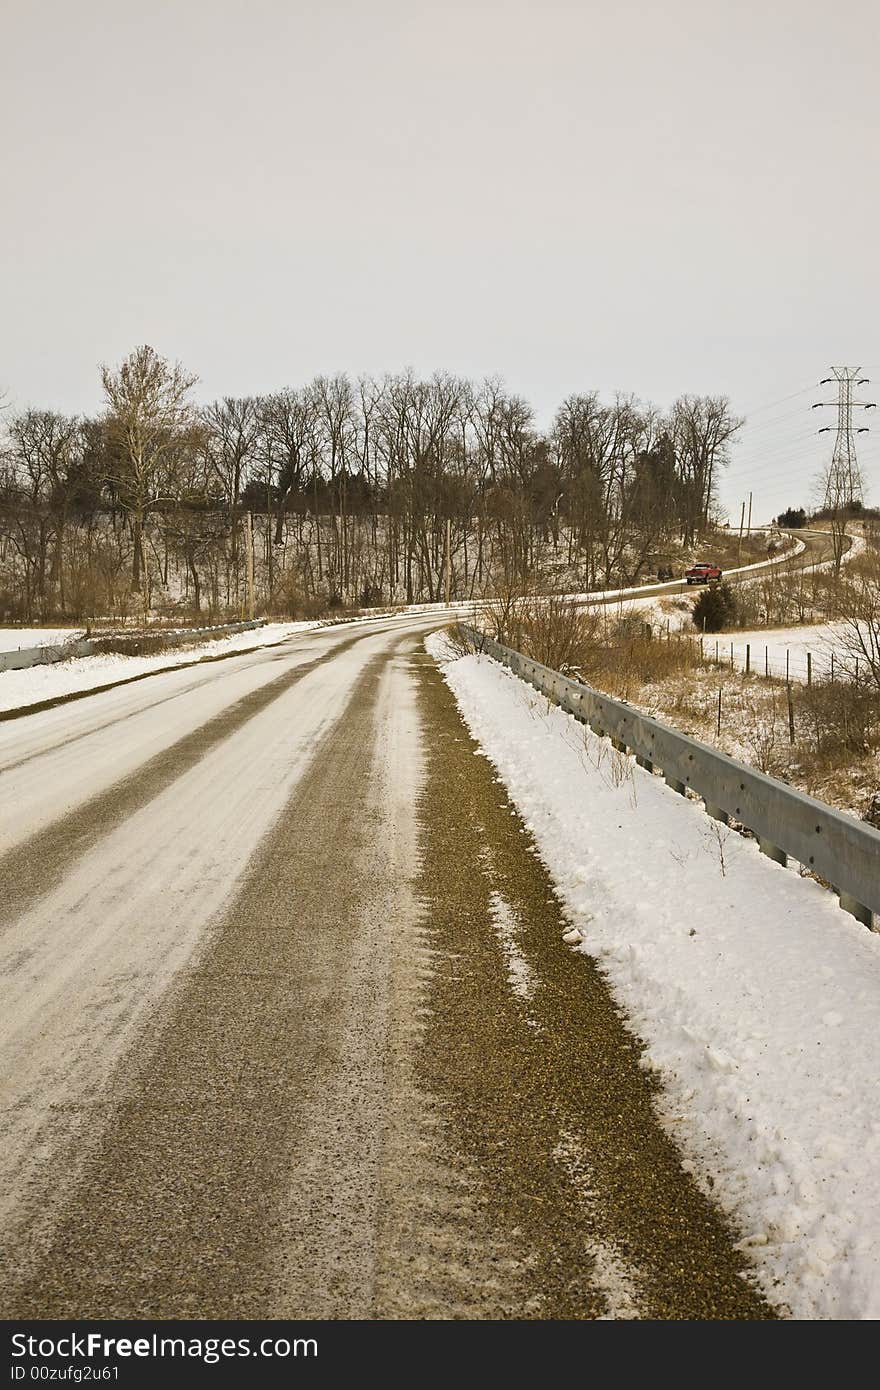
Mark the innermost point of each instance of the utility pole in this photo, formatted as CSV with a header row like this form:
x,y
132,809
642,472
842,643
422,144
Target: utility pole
x,y
749,525
844,479
250,565
742,517
448,559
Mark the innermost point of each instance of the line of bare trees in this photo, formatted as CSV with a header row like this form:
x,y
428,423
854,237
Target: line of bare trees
x,y
363,492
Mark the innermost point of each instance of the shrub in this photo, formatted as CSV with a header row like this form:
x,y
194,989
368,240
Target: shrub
x,y
145,644
715,608
550,628
558,631
871,813
834,717
459,641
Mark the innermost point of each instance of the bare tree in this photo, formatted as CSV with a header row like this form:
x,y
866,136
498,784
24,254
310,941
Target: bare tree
x,y
233,430
44,451
196,525
858,637
703,428
832,489
148,410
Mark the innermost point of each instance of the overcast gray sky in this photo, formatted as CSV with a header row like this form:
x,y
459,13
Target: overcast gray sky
x,y
653,197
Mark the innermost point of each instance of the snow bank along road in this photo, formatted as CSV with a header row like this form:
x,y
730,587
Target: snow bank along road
x,y
755,997
288,1029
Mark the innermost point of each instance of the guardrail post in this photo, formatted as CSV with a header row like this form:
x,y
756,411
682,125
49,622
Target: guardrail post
x,y
858,910
773,851
644,762
716,813
618,744
676,786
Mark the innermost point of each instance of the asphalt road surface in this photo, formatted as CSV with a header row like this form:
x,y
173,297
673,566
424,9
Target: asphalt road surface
x,y
263,1052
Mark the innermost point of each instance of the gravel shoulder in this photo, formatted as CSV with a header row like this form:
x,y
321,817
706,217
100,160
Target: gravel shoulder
x,y
540,1076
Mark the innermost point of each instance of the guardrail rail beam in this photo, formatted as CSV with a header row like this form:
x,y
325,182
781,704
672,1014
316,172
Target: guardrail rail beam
x,y
785,822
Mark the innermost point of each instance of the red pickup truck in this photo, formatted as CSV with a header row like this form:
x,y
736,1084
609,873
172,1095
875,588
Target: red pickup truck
x,y
703,574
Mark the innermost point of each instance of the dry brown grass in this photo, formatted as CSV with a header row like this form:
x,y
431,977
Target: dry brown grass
x,y
146,644
627,661
724,549
836,750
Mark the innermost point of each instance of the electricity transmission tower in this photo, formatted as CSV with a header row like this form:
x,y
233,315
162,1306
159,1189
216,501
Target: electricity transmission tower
x,y
843,479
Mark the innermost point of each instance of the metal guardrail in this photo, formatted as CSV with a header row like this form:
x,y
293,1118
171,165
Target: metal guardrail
x,y
84,646
785,821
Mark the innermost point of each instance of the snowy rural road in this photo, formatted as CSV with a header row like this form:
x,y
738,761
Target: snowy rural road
x,y
288,1030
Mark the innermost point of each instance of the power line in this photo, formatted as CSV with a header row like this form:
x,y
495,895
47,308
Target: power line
x,y
769,421
804,446
752,444
782,400
791,435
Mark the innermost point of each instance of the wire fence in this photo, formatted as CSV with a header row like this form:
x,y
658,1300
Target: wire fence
x,y
795,663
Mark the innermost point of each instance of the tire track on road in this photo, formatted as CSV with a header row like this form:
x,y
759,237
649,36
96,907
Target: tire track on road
x,y
177,1213
86,969
73,696
34,868
273,1154
74,728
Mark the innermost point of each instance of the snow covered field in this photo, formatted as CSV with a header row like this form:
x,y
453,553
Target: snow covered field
x,y
36,683
772,651
14,639
781,651
756,996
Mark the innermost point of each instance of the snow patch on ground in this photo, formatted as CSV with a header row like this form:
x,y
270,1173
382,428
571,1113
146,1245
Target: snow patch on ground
x,y
612,1275
756,995
782,651
519,973
17,639
36,683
